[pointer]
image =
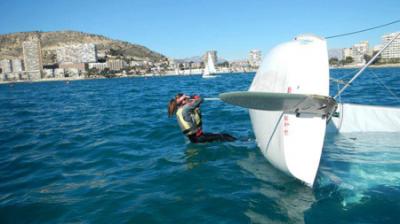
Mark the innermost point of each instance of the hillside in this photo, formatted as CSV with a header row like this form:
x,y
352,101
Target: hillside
x,y
11,45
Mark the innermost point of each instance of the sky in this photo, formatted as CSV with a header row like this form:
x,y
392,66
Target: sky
x,y
186,28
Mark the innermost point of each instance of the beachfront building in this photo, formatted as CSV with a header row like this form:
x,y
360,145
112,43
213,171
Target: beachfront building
x,y
195,65
6,66
347,52
17,65
72,72
358,52
240,66
59,73
116,64
393,50
137,63
12,70
77,53
98,66
32,53
48,73
79,66
255,58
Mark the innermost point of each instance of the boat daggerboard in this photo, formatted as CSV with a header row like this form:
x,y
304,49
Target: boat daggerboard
x,y
301,105
292,144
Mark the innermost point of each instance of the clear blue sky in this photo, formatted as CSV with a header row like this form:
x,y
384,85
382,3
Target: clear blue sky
x,y
188,28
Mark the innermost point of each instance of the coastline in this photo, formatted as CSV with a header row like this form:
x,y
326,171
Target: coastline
x,y
169,73
174,73
371,66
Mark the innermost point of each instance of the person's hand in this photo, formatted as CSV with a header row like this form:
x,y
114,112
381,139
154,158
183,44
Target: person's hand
x,y
182,98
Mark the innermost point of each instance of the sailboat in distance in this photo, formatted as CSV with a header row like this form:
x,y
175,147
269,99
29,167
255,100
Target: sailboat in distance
x,y
209,70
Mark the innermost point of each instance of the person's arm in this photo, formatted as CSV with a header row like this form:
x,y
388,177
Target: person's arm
x,y
187,108
195,102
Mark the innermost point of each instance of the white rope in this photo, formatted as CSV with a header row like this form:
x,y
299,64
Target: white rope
x,y
211,98
340,97
387,88
363,30
341,81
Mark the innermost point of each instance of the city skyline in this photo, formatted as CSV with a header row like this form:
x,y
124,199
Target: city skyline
x,y
189,28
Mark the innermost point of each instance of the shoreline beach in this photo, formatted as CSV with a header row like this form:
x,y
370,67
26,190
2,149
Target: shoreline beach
x,y
184,73
371,66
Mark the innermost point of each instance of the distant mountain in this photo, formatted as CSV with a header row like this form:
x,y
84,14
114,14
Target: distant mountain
x,y
11,45
197,59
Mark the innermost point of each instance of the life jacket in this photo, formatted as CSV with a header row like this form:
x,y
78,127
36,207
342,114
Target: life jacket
x,y
189,127
197,117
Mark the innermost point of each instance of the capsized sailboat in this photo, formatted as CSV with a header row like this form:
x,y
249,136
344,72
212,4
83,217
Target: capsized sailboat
x,y
290,107
209,70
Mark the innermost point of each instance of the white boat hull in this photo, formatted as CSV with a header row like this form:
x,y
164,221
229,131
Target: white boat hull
x,y
208,76
365,118
292,144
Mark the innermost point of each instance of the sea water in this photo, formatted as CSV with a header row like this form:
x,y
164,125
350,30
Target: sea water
x,y
105,151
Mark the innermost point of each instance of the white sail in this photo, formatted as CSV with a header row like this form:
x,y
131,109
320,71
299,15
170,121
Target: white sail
x,y
292,144
206,71
211,66
209,69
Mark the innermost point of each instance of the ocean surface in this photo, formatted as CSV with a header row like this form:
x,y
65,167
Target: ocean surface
x,y
105,151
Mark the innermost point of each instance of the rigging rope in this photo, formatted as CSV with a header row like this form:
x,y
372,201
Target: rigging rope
x,y
211,98
366,65
387,88
363,30
341,81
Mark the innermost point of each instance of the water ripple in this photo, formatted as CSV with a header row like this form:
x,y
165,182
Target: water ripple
x,y
105,151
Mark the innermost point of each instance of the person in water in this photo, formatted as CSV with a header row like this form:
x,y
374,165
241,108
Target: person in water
x,y
188,115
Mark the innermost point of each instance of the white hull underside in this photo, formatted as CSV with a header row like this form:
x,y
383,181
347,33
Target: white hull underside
x,y
292,144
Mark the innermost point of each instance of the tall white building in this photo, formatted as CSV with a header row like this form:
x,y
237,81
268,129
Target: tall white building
x,y
359,50
33,58
347,52
77,53
255,58
392,51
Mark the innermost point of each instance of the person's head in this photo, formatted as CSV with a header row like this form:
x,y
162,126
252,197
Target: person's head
x,y
172,106
181,99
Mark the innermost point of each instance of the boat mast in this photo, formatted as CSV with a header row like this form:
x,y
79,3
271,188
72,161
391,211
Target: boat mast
x,y
365,66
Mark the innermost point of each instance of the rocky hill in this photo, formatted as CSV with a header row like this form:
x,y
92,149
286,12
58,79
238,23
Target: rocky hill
x,y
11,45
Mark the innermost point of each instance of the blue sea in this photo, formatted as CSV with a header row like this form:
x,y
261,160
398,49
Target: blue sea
x,y
105,151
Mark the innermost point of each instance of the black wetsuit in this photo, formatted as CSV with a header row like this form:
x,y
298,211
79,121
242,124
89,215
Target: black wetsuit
x,y
210,137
